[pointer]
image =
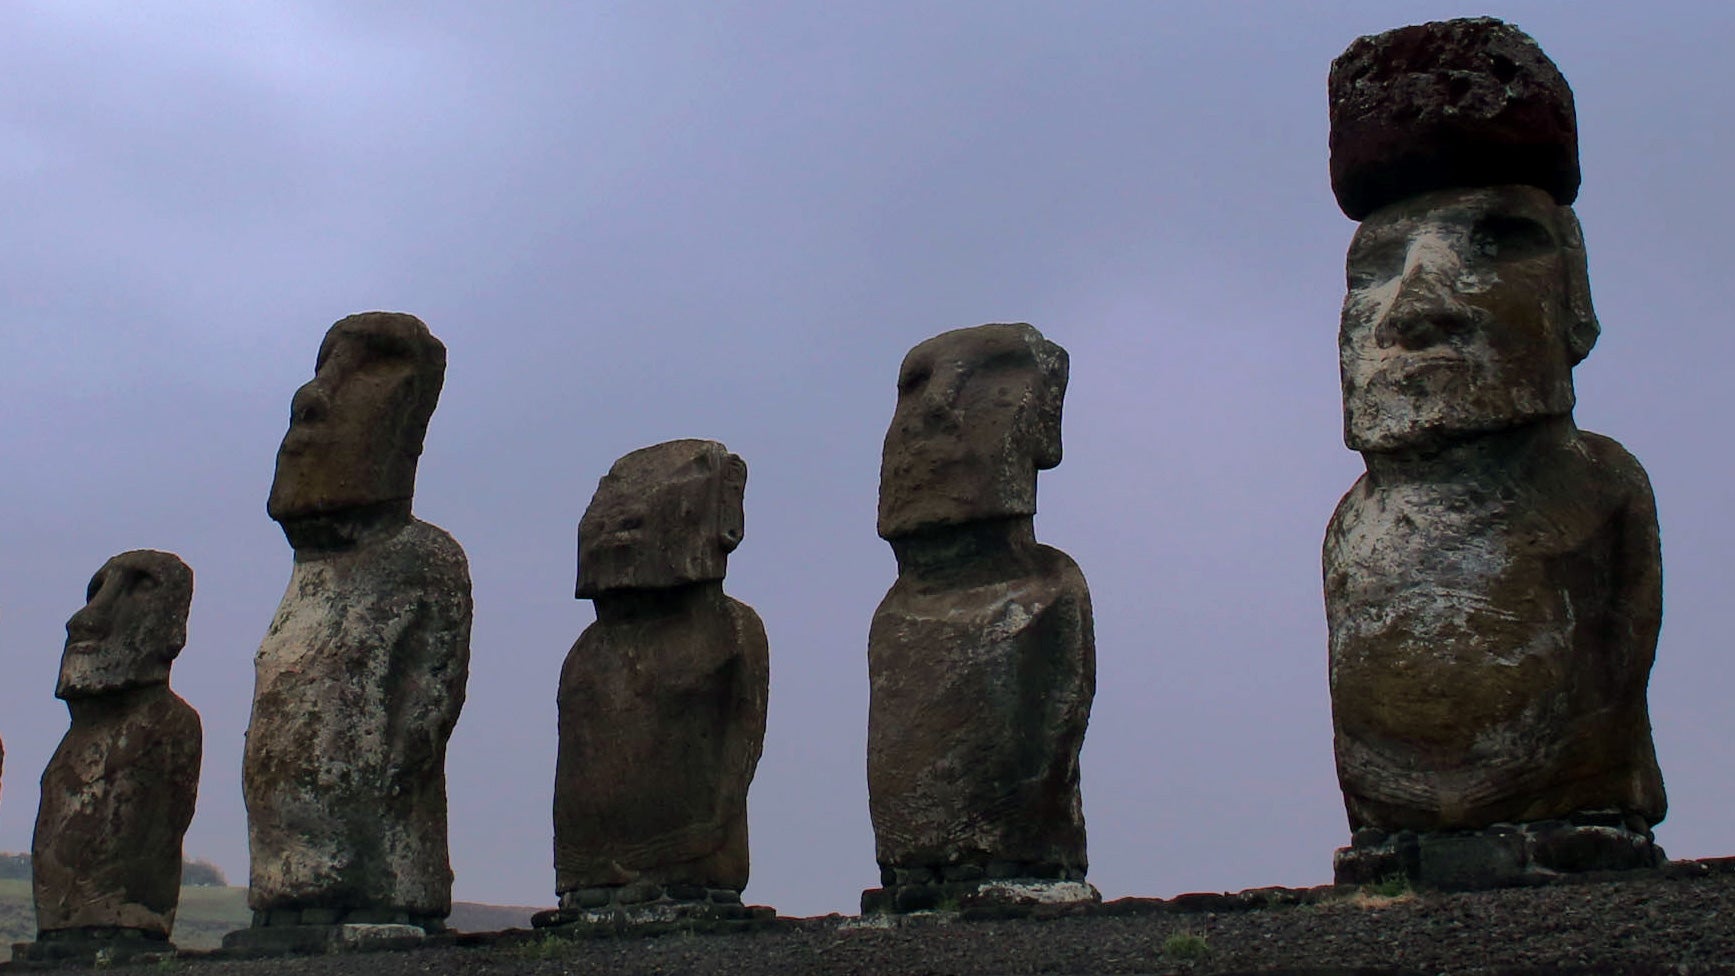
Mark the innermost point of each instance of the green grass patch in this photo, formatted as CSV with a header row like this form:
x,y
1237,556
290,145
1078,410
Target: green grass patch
x,y
1186,945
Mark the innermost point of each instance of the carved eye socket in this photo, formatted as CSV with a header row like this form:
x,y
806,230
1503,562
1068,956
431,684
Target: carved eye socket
x,y
1005,359
1510,238
913,378
1373,260
144,583
94,588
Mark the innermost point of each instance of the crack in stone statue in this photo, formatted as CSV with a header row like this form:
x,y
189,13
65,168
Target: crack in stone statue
x,y
361,675
119,792
1493,583
662,699
981,657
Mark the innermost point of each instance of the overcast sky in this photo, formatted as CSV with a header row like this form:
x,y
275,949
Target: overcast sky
x,y
638,221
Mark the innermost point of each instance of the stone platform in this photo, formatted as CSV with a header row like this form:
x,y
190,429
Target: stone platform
x,y
646,908
306,931
1502,855
99,946
1001,889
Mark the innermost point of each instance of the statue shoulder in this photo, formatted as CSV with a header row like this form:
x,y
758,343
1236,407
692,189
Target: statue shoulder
x,y
1348,505
1612,466
434,551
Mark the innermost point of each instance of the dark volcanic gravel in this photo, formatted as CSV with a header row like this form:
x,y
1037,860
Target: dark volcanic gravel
x,y
1680,921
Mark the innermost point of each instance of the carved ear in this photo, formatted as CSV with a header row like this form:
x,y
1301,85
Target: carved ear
x,y
1581,325
732,494
1045,430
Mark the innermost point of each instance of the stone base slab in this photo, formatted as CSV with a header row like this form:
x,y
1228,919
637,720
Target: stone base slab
x,y
644,907
277,917
1502,855
280,940
1003,897
96,946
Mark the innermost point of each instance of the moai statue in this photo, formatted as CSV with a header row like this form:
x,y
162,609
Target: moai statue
x,y
119,792
1493,584
981,658
662,699
361,676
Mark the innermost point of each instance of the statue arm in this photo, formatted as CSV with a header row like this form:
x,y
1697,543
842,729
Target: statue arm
x,y
1638,597
751,672
430,672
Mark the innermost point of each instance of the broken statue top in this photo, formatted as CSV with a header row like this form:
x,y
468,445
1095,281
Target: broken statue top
x,y
663,516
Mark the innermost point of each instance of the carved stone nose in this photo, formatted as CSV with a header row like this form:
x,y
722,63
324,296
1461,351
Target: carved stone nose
x,y
89,623
1425,312
940,396
310,404
1419,328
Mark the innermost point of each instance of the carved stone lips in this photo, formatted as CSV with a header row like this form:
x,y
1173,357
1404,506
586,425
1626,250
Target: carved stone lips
x,y
298,441
1404,367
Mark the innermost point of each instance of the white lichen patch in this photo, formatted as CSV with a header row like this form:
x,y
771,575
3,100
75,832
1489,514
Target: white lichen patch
x,y
1039,892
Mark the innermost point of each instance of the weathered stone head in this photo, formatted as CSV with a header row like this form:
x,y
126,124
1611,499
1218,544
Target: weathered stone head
x,y
133,625
978,415
356,429
663,516
1468,297
1466,311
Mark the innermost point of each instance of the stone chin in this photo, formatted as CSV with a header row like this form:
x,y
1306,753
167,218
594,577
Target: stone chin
x,y
918,520
307,486
87,671
1434,411
928,488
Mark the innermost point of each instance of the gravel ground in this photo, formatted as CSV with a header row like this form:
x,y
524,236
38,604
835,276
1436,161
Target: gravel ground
x,y
1678,921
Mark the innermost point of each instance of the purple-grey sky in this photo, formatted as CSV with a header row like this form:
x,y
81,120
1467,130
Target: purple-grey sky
x,y
636,221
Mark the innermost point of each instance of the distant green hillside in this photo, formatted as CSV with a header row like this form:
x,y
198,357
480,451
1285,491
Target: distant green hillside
x,y
205,914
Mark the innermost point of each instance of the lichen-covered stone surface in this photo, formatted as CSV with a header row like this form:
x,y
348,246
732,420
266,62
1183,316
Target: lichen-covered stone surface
x,y
358,685
361,675
1493,583
663,698
119,792
1455,103
981,657
1493,618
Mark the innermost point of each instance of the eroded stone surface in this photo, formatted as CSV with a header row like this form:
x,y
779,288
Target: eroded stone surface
x,y
1493,582
361,675
981,657
119,792
663,698
1455,103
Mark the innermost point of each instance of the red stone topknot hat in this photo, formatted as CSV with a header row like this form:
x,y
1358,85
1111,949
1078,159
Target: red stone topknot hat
x,y
1471,102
